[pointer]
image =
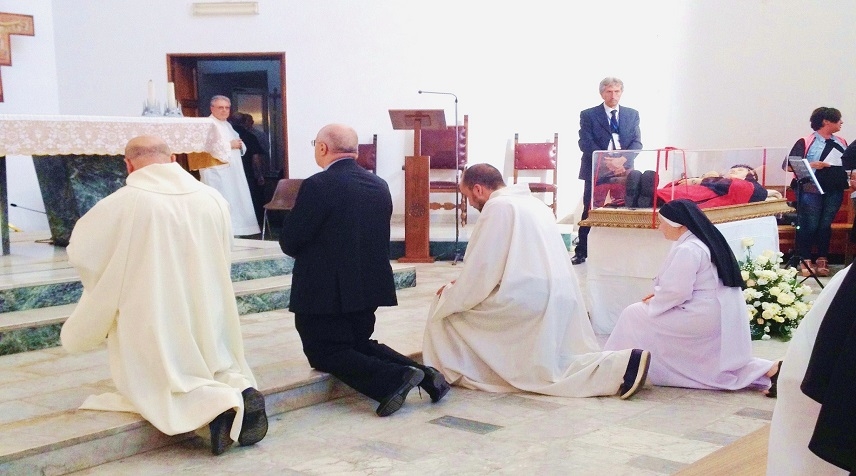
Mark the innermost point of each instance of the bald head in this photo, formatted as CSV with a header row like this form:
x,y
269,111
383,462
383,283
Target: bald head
x,y
146,150
485,175
335,141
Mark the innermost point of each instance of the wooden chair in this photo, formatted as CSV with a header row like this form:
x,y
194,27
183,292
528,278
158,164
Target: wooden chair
x,y
447,154
538,156
367,157
283,199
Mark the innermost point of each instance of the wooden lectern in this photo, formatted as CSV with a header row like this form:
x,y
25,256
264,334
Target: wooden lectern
x,y
416,220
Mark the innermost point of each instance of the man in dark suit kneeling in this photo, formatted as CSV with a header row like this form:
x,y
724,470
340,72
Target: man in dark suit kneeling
x,y
338,234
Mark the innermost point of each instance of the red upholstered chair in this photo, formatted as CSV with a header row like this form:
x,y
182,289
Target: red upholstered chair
x,y
538,156
448,157
368,155
283,199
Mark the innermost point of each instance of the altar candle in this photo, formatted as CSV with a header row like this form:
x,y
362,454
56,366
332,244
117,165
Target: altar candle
x,y
170,95
150,101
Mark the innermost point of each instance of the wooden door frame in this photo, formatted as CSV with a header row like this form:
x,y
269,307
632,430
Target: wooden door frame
x,y
173,60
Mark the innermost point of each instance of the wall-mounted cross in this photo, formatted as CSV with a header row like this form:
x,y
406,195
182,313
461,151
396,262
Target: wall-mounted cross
x,y
12,24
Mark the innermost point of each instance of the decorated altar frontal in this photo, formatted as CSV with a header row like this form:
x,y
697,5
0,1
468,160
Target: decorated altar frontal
x,y
79,159
625,248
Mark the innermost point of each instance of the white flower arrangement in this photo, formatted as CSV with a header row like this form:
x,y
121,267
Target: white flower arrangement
x,y
776,301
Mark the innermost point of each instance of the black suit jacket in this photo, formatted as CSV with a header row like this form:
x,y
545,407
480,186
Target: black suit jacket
x,y
338,234
595,134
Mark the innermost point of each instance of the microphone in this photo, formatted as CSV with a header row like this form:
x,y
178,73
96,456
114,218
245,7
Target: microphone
x,y
25,208
439,92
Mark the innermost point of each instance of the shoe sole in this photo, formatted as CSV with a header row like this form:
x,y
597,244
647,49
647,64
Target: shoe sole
x,y
644,363
395,403
255,423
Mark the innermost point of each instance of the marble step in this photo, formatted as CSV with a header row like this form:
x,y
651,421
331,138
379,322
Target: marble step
x,y
33,289
41,432
39,327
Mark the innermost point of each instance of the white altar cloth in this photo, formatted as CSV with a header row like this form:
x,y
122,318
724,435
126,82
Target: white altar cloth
x,y
106,135
622,262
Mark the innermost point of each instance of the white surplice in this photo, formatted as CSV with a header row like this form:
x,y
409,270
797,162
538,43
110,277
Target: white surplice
x,y
796,414
230,181
515,319
696,328
154,259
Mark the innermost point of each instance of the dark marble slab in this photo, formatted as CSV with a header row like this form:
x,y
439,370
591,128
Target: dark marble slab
x,y
34,297
264,268
72,184
25,340
4,208
465,424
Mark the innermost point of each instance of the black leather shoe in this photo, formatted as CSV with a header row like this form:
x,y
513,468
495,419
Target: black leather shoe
x,y
637,371
578,259
435,385
631,185
254,426
220,428
646,190
773,391
393,402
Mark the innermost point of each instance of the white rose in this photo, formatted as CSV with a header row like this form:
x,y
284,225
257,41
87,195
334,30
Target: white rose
x,y
765,337
747,242
774,291
791,313
785,299
762,282
744,274
768,254
762,260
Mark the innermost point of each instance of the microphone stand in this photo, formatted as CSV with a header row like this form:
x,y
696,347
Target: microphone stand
x,y
457,253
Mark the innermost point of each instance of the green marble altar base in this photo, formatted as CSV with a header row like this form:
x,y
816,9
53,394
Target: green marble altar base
x,y
72,184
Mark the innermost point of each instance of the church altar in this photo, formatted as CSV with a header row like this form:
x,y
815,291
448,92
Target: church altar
x,y
622,261
79,159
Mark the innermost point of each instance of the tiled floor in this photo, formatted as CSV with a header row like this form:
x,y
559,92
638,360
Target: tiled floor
x,y
658,431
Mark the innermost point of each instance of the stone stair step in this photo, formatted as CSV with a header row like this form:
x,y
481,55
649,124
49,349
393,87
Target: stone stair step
x,y
42,432
39,328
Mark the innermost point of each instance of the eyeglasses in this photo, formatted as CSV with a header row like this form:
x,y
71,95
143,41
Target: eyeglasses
x,y
313,142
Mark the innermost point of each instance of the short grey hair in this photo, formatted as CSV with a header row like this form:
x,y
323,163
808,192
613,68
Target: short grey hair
x,y
220,97
610,81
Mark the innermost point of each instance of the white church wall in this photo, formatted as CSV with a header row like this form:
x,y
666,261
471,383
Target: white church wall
x,y
735,73
29,87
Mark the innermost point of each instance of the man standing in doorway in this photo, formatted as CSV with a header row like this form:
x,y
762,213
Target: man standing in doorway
x,y
603,127
229,179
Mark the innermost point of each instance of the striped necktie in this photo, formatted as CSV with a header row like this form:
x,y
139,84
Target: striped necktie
x,y
613,122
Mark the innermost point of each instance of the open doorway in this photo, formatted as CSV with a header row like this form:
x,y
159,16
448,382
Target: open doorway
x,y
255,83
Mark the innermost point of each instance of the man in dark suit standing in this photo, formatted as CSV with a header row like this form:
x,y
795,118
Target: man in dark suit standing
x,y
338,234
604,127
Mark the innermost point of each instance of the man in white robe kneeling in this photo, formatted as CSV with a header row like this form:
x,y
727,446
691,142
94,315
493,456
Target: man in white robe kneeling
x,y
515,319
154,258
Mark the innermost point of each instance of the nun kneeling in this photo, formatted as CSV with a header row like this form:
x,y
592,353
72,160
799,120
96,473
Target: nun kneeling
x,y
695,323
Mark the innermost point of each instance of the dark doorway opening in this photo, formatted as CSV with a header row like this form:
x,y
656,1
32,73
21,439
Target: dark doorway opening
x,y
255,83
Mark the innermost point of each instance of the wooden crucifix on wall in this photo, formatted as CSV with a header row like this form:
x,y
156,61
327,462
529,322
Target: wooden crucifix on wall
x,y
12,24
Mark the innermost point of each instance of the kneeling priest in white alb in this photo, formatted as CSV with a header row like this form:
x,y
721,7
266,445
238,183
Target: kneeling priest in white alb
x,y
515,319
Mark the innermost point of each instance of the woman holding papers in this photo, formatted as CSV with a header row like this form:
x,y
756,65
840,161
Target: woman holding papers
x,y
817,208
